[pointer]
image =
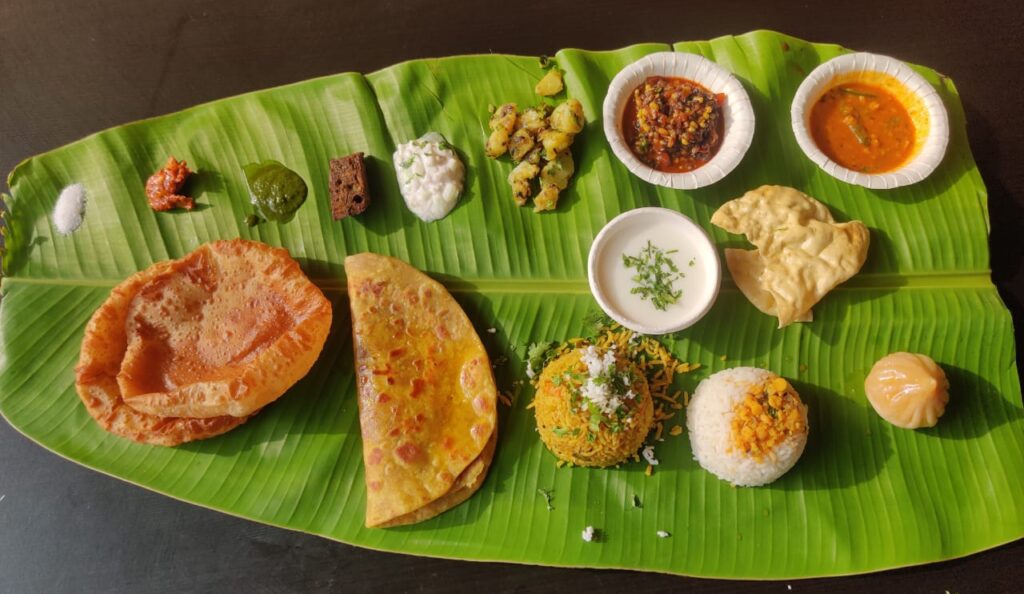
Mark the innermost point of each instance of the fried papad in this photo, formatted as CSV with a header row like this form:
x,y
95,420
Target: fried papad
x,y
802,253
225,330
427,397
746,268
96,377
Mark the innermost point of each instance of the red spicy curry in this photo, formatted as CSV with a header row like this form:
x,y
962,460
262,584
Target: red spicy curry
x,y
673,124
862,127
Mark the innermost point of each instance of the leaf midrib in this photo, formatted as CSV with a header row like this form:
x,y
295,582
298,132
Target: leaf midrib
x,y
877,281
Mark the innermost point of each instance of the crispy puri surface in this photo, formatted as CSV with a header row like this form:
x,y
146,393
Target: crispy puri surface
x,y
223,331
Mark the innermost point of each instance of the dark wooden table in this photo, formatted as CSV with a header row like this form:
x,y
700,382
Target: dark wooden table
x,y
71,68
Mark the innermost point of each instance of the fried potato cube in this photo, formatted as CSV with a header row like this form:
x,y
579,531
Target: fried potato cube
x,y
554,143
568,117
519,179
546,199
520,144
497,143
551,84
534,119
558,172
504,118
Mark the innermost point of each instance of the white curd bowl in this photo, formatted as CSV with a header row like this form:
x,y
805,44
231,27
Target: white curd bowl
x,y
738,116
669,229
922,102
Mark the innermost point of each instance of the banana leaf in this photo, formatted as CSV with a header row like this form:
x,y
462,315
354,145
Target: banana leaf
x,y
865,496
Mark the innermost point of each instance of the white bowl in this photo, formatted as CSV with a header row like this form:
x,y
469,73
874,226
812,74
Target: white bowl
x,y
926,107
668,229
738,114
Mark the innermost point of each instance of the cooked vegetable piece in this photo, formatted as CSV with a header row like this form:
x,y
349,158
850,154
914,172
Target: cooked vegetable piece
x,y
504,118
547,199
520,144
534,119
551,84
163,186
558,172
519,179
852,121
568,117
538,146
554,143
497,143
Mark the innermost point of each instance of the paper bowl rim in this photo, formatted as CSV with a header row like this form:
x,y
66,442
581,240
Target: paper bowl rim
x,y
920,167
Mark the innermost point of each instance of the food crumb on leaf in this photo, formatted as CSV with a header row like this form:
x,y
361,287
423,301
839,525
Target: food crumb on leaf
x,y
664,534
590,534
648,454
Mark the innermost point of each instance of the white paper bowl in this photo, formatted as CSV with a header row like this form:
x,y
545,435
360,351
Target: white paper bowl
x,y
922,101
637,221
738,124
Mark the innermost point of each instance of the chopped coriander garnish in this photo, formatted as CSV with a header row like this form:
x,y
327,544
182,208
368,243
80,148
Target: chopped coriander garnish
x,y
537,356
597,321
548,495
655,276
408,162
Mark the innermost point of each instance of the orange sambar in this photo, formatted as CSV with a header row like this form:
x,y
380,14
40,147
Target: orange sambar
x,y
862,127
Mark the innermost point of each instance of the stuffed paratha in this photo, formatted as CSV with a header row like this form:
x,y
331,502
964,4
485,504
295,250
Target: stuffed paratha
x,y
427,398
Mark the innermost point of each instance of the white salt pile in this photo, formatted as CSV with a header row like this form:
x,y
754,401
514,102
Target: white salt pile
x,y
70,208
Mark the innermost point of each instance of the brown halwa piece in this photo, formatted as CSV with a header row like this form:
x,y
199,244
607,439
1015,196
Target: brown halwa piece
x,y
350,194
163,186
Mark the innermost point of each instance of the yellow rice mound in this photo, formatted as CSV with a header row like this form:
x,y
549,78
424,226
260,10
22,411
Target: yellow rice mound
x,y
565,429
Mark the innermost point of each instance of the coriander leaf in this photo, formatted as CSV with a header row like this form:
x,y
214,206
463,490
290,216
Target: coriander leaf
x,y
656,274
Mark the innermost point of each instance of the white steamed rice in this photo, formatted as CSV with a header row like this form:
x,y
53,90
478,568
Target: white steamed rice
x,y
709,421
